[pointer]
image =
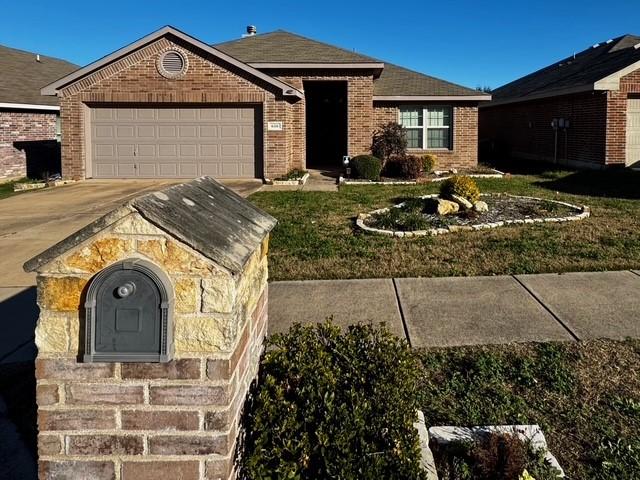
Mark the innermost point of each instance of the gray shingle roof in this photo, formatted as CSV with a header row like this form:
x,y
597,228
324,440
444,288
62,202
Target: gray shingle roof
x,y
581,70
204,214
22,76
286,47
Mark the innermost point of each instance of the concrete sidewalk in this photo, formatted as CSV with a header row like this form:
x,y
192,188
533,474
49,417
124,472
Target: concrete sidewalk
x,y
471,310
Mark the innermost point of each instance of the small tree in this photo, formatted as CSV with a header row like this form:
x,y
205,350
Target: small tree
x,y
389,140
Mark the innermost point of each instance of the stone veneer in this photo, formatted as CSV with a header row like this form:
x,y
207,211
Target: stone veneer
x,y
124,421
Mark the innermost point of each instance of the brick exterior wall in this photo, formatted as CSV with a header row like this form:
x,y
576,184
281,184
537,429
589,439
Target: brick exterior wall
x,y
135,79
360,117
464,152
21,126
616,147
595,139
135,421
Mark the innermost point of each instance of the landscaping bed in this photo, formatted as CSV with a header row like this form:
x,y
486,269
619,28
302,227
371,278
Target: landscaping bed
x,y
317,237
415,216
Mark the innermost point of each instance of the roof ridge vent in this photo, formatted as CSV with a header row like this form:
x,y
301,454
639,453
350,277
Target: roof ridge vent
x,y
609,41
596,45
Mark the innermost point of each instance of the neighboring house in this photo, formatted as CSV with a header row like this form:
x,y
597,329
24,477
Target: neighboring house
x,y
28,120
583,111
169,105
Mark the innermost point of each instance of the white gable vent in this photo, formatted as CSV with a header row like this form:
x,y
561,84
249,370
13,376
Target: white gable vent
x,y
172,64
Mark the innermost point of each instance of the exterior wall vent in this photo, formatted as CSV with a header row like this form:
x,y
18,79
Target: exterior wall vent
x,y
172,64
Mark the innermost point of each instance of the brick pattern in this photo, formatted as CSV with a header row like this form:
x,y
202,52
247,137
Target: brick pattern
x,y
616,144
524,130
127,421
596,138
360,117
18,126
464,152
135,79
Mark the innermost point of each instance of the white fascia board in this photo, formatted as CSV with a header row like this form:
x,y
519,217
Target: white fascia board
x,y
52,89
30,106
431,98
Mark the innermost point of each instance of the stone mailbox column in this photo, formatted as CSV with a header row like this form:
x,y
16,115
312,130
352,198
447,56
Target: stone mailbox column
x,y
173,420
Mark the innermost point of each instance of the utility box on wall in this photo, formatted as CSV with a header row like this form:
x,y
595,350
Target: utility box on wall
x,y
151,327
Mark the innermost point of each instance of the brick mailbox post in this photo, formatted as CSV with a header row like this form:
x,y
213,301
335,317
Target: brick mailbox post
x,y
151,326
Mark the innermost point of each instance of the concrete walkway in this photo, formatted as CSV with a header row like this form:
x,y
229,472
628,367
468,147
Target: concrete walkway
x,y
471,310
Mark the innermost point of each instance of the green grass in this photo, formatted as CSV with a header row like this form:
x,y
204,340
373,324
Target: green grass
x,y
316,237
586,397
6,188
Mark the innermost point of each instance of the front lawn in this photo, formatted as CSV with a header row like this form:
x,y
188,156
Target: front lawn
x,y
316,237
585,396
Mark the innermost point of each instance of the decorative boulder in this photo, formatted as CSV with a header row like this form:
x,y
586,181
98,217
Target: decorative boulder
x,y
481,207
441,206
463,202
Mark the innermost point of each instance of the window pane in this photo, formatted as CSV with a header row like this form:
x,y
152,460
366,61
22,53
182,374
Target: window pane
x,y
439,117
414,137
411,117
438,138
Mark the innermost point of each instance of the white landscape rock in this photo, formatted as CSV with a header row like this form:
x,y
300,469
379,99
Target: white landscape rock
x,y
463,202
426,456
531,433
481,207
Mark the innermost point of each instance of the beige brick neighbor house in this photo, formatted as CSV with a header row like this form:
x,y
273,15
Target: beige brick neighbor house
x,y
170,105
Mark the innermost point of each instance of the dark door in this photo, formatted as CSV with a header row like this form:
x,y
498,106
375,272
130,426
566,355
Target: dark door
x,y
326,118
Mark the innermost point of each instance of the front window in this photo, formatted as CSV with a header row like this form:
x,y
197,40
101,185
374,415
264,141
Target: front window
x,y
427,127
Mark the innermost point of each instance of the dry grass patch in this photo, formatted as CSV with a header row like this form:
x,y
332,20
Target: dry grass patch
x,y
316,236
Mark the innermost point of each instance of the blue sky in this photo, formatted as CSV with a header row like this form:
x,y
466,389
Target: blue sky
x,y
471,43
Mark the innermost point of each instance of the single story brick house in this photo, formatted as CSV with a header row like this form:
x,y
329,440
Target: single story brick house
x,y
28,121
583,111
169,105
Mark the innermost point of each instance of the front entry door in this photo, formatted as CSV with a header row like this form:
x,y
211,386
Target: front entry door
x,y
326,121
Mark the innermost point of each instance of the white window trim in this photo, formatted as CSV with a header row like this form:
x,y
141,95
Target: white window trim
x,y
425,127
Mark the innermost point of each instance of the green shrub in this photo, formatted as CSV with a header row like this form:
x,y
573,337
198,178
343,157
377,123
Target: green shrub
x,y
429,162
333,405
390,139
462,186
411,167
367,167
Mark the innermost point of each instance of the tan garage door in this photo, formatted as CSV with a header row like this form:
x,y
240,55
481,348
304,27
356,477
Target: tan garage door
x,y
633,132
172,142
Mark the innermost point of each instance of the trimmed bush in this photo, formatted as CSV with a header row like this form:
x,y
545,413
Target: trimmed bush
x,y
389,140
429,163
367,167
410,167
462,186
332,404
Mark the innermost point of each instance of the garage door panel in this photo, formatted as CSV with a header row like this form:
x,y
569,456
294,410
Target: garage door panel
x,y
173,142
103,131
208,131
125,114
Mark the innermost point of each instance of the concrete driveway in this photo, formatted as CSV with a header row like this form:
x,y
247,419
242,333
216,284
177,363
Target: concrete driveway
x,y
32,222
